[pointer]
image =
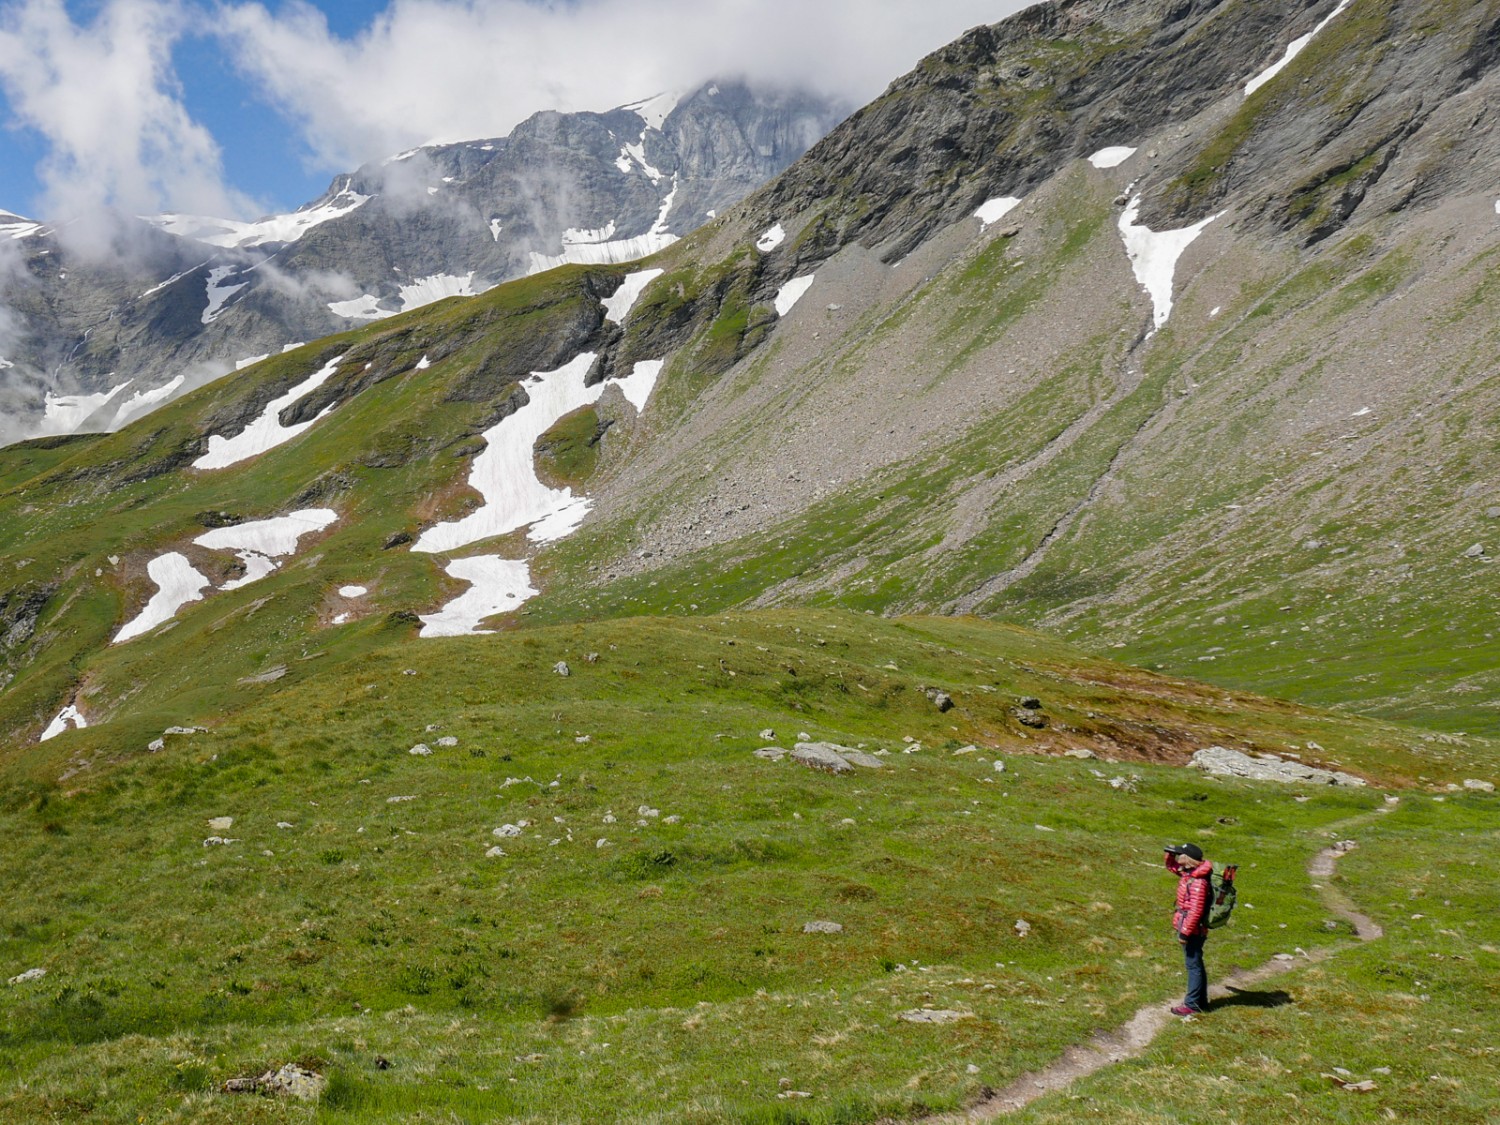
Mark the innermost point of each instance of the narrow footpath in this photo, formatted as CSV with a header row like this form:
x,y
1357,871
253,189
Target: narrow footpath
x,y
1133,1038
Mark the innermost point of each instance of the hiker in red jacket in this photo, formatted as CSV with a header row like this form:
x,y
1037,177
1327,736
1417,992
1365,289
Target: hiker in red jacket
x,y
1190,920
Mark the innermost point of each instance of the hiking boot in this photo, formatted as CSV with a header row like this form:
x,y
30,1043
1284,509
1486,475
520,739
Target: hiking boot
x,y
1184,1010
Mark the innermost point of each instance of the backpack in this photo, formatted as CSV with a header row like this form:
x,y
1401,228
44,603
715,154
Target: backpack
x,y
1221,896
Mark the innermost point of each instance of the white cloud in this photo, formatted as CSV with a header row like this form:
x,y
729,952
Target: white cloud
x,y
104,97
448,70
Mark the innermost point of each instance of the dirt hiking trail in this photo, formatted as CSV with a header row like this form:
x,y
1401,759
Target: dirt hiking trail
x,y
1137,1034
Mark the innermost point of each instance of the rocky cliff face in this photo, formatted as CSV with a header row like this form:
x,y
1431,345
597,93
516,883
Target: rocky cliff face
x,y
187,298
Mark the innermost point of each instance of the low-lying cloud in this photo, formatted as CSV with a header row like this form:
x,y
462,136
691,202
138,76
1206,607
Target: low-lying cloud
x,y
104,97
101,91
428,71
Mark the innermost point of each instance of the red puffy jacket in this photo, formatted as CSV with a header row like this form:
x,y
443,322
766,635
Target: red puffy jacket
x,y
1193,892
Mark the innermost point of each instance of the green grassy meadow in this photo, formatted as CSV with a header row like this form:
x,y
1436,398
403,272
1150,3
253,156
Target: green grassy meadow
x,y
663,974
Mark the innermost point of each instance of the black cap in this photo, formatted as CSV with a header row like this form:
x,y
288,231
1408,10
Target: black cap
x,y
1192,851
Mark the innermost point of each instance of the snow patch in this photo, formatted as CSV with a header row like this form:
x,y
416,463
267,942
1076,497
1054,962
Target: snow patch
x,y
422,364
266,432
352,591
1293,49
505,473
170,281
177,584
366,307
17,226
632,155
496,586
575,236
659,228
618,306
578,252
69,716
1154,256
638,385
496,226
992,211
1361,413
260,542
792,292
426,290
771,239
143,402
413,295
655,111
232,233
219,293
66,414
1111,157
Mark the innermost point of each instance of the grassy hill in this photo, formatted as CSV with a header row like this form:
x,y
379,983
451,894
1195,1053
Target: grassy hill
x,y
355,914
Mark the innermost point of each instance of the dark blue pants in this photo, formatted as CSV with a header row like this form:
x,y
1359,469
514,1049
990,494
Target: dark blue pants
x,y
1197,973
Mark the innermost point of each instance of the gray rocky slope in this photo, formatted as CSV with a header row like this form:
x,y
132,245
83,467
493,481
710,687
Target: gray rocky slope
x,y
187,298
1285,483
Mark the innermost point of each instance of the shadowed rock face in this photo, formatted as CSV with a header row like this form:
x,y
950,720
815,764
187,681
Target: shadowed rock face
x,y
1001,110
474,213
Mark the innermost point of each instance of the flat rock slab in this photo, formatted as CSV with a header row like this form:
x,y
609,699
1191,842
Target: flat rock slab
x,y
834,758
822,928
771,753
269,676
860,758
931,1015
1221,762
821,756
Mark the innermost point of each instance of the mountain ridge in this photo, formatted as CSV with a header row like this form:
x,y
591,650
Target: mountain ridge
x,y
432,222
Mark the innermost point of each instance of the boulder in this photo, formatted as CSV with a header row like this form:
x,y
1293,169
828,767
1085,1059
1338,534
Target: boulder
x,y
291,1081
821,756
1479,786
940,699
1029,717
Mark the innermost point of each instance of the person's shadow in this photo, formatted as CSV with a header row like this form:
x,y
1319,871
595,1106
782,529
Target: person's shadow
x,y
1253,999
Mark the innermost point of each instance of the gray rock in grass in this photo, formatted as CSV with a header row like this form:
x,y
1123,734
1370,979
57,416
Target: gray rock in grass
x,y
821,756
933,1015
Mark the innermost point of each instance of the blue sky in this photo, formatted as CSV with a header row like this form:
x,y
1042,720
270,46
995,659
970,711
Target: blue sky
x,y
244,107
